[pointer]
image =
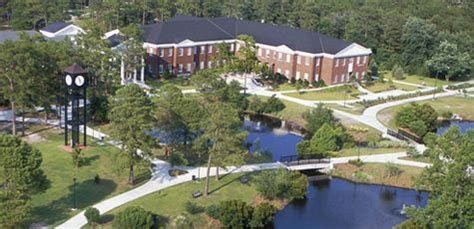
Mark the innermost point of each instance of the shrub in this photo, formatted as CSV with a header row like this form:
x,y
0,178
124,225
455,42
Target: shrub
x,y
273,104
319,83
182,221
92,215
392,170
193,208
419,128
281,184
234,213
133,218
447,114
398,73
412,152
361,176
356,162
212,211
292,80
168,75
430,138
177,159
262,215
372,139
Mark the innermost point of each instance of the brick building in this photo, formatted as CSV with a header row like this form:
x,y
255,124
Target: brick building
x,y
184,44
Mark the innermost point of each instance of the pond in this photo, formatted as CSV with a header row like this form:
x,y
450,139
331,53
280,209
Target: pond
x,y
338,203
271,135
463,125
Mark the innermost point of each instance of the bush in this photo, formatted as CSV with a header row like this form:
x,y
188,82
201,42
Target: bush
x,y
168,75
262,215
212,211
419,128
447,114
356,162
92,215
391,144
319,83
177,158
361,176
392,170
412,152
193,208
182,221
274,104
234,213
398,73
281,184
134,218
430,138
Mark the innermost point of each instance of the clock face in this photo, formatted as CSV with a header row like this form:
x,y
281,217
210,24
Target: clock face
x,y
79,81
68,80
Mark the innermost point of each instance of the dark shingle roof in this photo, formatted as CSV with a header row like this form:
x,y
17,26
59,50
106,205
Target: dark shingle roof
x,y
14,35
55,27
181,27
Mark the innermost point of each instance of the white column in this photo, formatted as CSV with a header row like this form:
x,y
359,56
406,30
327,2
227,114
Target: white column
x,y
135,75
122,73
142,73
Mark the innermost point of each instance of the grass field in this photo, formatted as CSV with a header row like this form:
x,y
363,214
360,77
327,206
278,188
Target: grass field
x,y
53,206
354,108
463,106
285,87
376,173
335,93
366,151
179,82
380,87
292,111
169,202
422,80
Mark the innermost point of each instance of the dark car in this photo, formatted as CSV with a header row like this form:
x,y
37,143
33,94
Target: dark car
x,y
257,82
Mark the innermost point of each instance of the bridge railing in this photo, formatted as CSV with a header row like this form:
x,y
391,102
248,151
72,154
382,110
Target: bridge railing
x,y
294,160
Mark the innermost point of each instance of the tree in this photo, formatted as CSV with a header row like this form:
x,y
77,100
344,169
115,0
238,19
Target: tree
x,y
419,39
134,218
92,215
247,61
317,117
398,73
448,62
234,213
262,215
132,52
449,178
21,176
323,142
224,137
77,158
131,121
415,112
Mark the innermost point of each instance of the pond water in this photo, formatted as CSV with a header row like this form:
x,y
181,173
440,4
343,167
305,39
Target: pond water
x,y
339,203
267,134
463,125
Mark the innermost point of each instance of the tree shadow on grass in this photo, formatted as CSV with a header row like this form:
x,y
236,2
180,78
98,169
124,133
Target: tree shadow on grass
x,y
87,194
88,160
226,184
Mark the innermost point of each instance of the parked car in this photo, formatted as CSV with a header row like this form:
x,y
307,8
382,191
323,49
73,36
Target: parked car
x,y
257,82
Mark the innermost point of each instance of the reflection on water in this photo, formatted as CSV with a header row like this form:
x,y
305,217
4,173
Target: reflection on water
x,y
463,125
266,134
339,203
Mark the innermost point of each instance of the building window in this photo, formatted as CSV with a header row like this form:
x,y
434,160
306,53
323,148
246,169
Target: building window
x,y
260,52
180,68
317,61
238,47
342,78
267,53
279,70
180,51
306,76
161,68
274,55
306,61
203,49
190,51
358,60
365,60
344,62
298,59
334,80
280,56
231,47
337,62
188,67
288,58
357,75
170,53
170,68
287,73
209,64
150,69
210,48
162,54
201,65
316,77
297,75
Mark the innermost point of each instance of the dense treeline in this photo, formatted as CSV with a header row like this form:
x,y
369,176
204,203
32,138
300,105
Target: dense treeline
x,y
403,32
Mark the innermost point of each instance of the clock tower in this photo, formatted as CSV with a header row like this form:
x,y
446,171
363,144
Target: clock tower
x,y
75,84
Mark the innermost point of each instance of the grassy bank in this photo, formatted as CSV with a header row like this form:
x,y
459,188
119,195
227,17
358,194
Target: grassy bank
x,y
421,80
380,87
376,173
366,151
53,206
169,203
179,82
463,106
334,93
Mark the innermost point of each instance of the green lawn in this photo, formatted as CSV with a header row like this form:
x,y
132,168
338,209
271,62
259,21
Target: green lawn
x,y
423,159
380,87
292,112
169,203
53,206
366,151
285,87
179,82
416,79
335,93
464,106
354,108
